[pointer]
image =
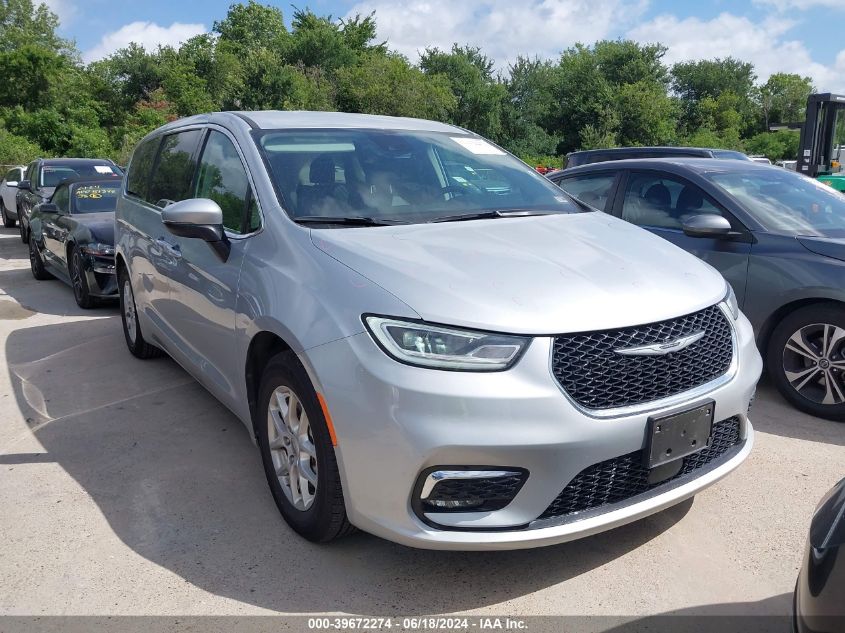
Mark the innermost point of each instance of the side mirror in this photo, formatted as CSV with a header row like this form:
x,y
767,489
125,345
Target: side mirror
x,y
707,225
198,218
12,183
25,185
48,207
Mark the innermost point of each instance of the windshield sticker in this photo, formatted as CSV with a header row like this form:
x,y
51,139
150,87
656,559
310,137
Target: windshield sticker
x,y
95,192
103,169
477,145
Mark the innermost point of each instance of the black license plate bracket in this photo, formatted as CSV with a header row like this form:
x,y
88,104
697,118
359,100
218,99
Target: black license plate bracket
x,y
679,434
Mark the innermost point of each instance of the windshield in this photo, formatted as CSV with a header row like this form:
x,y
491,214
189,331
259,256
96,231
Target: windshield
x,y
401,176
95,198
786,202
52,175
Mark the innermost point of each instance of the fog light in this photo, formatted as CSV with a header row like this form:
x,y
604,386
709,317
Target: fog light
x,y
454,490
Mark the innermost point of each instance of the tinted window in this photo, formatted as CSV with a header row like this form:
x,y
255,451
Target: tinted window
x,y
174,170
30,174
594,189
52,175
222,178
13,175
660,200
95,197
401,175
60,199
137,182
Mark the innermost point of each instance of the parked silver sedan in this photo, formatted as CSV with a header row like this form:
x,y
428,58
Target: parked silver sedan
x,y
428,340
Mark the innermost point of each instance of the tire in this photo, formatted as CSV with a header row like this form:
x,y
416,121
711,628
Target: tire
x,y
131,327
316,513
805,359
8,222
23,230
36,264
79,281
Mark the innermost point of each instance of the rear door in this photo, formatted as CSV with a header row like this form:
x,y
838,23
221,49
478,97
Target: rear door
x,y
660,202
204,288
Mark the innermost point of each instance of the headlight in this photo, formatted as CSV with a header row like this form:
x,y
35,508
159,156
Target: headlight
x,y
731,302
445,348
100,250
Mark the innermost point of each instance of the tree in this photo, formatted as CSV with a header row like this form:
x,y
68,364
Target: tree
x,y
696,81
24,23
783,98
388,84
782,144
479,97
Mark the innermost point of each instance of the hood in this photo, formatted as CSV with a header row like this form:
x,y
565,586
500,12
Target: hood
x,y
533,275
98,226
828,246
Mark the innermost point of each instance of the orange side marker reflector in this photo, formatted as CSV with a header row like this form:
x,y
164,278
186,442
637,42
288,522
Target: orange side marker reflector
x,y
328,417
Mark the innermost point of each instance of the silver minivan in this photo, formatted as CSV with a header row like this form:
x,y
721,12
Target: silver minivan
x,y
428,340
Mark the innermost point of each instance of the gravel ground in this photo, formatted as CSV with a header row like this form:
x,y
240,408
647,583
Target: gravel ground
x,y
125,488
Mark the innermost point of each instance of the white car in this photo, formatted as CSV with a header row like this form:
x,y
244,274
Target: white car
x,y
8,191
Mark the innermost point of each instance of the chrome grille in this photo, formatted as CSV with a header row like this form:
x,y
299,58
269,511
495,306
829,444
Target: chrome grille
x,y
597,377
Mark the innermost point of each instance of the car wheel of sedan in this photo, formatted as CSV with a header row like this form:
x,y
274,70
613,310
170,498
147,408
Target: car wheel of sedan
x,y
79,281
36,264
129,315
297,452
806,360
7,221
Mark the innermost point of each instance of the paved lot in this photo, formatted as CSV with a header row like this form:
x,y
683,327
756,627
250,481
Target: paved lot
x,y
126,489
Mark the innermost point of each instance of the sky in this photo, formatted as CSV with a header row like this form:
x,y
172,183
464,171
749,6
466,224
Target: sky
x,y
795,36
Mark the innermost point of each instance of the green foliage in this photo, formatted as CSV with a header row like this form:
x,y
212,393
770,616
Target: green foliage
x,y
615,92
16,150
783,98
782,144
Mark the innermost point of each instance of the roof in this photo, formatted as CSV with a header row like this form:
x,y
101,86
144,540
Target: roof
x,y
276,119
680,163
76,161
649,148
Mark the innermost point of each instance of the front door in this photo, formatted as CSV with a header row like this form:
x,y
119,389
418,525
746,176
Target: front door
x,y
204,288
660,202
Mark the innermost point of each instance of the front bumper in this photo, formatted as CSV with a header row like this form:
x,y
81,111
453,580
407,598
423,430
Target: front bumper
x,y
101,276
393,421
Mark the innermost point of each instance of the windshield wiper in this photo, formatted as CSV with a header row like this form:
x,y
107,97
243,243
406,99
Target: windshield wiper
x,y
353,220
497,213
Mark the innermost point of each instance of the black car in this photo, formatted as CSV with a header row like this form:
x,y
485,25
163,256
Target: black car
x,y
43,174
819,593
778,237
590,156
72,238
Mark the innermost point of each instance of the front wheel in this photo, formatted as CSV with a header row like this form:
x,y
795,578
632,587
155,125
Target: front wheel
x,y
8,222
79,280
36,264
23,230
297,452
806,360
129,316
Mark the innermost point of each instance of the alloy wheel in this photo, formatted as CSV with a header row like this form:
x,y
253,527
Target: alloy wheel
x,y
292,448
814,363
129,311
76,276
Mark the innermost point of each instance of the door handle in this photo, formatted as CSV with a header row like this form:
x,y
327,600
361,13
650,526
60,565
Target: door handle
x,y
172,249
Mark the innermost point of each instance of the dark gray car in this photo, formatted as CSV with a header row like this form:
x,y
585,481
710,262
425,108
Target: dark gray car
x,y
777,237
44,174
